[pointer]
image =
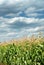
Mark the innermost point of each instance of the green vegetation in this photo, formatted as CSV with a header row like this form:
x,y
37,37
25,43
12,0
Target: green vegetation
x,y
22,54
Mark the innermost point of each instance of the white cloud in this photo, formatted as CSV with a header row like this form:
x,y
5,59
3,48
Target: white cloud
x,y
34,14
32,11
11,33
15,7
3,25
1,1
6,21
10,1
22,19
35,29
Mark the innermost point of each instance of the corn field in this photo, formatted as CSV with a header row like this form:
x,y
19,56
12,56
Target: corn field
x,y
26,54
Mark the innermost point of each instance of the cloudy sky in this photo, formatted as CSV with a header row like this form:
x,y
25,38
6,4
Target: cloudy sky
x,y
20,18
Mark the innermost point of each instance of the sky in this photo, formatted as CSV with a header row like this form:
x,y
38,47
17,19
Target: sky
x,y
20,18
